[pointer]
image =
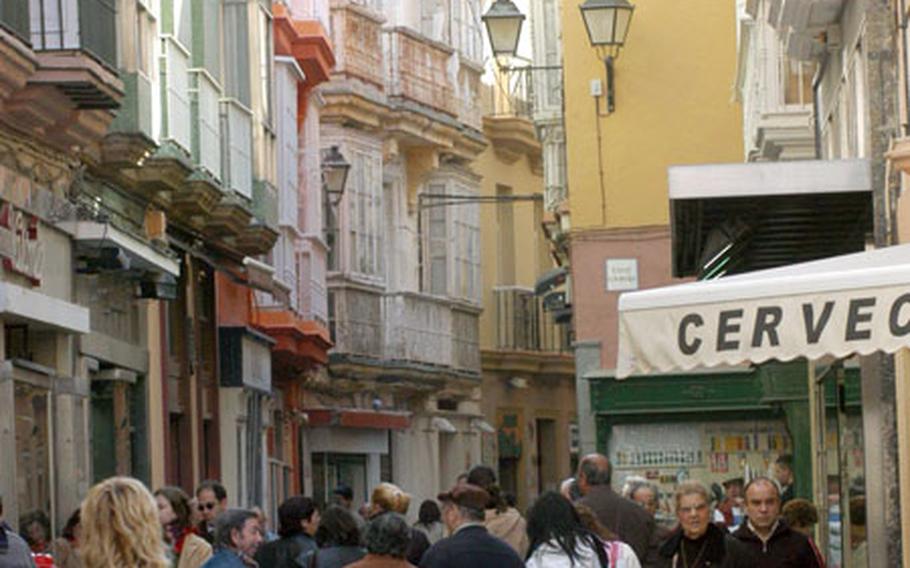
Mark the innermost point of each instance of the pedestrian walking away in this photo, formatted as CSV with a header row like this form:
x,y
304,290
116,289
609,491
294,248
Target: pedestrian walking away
x,y
767,535
338,538
429,521
624,517
387,539
120,526
501,520
471,544
389,498
559,539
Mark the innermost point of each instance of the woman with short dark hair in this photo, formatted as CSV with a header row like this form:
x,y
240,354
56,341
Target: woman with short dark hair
x,y
298,520
338,537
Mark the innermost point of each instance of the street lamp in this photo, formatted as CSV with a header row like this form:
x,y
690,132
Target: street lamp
x,y
607,23
503,21
334,174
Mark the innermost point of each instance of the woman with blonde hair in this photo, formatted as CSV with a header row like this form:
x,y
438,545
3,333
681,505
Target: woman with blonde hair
x,y
120,526
389,498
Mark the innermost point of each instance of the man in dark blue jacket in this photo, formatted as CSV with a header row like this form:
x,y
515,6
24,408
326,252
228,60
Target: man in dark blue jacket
x,y
470,543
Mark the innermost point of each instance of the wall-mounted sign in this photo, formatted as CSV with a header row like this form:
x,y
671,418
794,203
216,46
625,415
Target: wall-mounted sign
x,y
622,274
21,250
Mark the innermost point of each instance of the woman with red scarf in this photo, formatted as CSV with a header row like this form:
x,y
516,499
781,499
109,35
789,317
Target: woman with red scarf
x,y
189,550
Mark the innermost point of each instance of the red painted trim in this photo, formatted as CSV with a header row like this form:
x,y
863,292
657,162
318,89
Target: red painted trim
x,y
298,342
306,41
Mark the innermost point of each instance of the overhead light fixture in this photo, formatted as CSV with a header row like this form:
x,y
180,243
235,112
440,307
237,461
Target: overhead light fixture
x,y
503,22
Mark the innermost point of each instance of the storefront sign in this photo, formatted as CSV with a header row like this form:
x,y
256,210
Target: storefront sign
x,y
21,250
784,320
246,359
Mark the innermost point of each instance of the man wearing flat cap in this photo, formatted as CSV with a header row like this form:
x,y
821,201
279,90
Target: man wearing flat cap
x,y
463,512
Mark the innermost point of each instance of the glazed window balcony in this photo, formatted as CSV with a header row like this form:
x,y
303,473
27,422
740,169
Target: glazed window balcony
x,y
75,25
14,17
175,64
206,122
431,330
355,321
417,70
237,146
523,325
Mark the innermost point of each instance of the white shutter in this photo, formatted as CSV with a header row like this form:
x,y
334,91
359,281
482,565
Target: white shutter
x,y
437,242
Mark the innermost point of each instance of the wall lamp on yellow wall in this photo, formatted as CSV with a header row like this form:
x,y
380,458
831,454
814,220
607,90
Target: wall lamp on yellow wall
x,y
607,22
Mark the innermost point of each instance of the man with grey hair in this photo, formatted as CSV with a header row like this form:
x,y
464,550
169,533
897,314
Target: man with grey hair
x,y
470,544
14,552
237,536
630,522
387,539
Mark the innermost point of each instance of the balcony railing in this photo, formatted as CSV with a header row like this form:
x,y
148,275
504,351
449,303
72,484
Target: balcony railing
x,y
523,325
237,146
206,127
417,70
83,25
14,17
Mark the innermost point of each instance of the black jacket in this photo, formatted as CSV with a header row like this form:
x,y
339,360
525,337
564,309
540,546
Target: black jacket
x,y
722,550
474,547
286,552
627,519
786,548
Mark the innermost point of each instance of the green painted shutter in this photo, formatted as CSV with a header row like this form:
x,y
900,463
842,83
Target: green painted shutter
x,y
237,51
14,17
98,29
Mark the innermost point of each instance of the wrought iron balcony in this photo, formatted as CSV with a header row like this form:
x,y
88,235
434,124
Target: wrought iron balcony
x,y
523,325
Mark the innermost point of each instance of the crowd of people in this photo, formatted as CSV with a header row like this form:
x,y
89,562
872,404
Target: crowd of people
x,y
586,524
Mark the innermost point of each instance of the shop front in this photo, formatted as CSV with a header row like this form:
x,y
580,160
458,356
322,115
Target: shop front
x,y
43,427
823,315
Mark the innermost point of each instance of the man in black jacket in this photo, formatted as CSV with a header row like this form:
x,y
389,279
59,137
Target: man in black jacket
x,y
470,543
773,543
627,519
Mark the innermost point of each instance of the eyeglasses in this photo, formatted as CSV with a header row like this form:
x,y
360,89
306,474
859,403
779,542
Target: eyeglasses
x,y
204,506
696,509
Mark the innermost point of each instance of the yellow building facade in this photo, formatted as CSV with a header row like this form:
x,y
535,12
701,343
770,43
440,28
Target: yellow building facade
x,y
674,104
528,373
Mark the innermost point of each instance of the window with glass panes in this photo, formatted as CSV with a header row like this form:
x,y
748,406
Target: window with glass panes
x,y
466,245
265,63
364,189
236,49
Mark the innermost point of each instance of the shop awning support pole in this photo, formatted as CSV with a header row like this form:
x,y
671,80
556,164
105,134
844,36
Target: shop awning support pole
x,y
819,455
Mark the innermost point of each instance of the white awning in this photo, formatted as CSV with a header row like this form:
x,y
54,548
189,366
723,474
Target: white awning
x,y
18,304
142,254
443,425
844,305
